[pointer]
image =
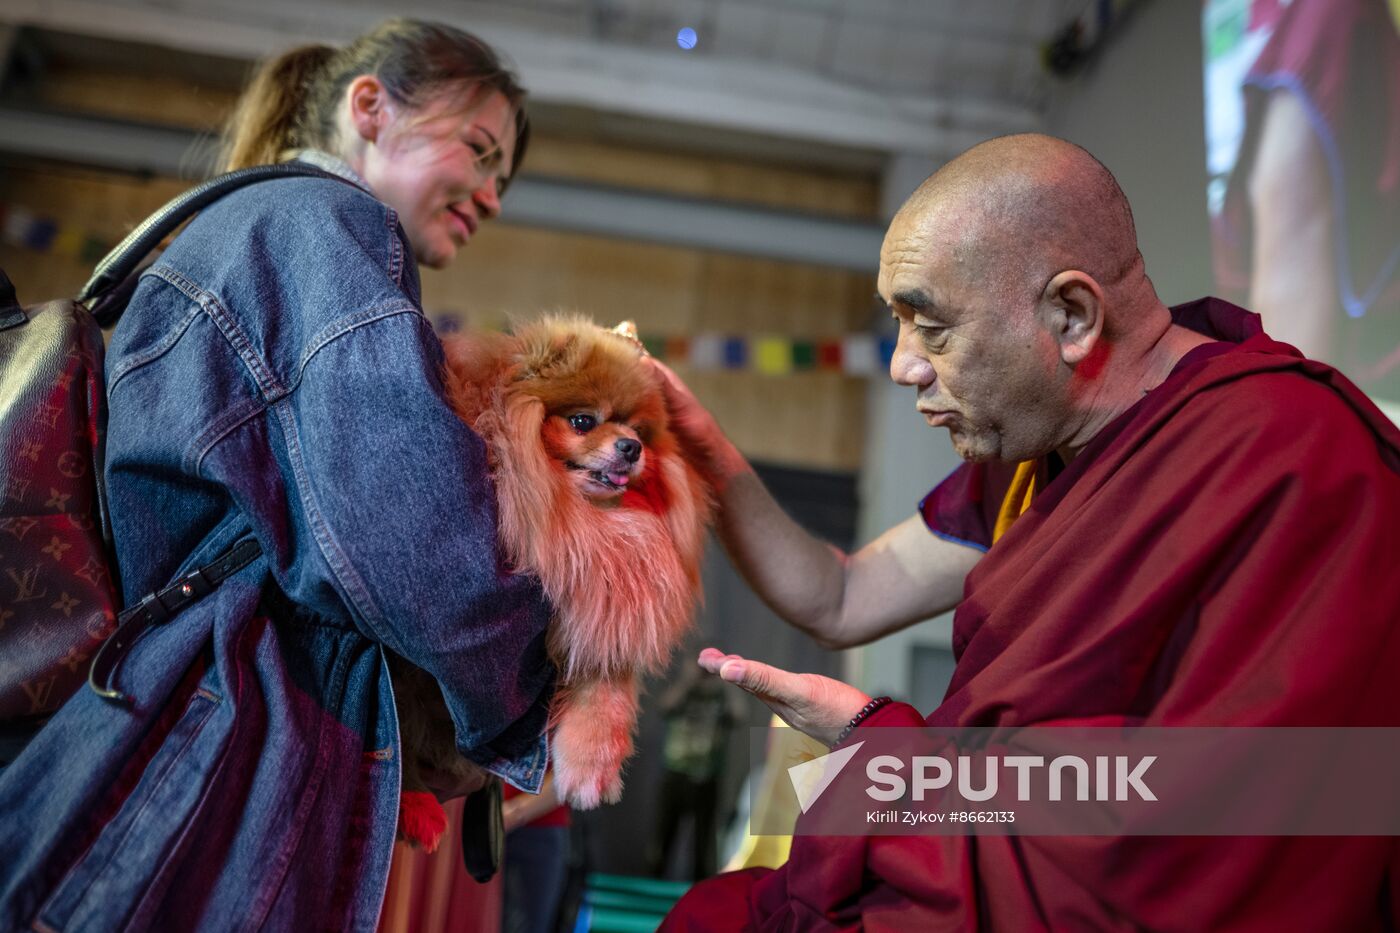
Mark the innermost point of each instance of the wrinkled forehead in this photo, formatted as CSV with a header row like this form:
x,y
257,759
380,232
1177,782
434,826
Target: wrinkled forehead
x,y
920,251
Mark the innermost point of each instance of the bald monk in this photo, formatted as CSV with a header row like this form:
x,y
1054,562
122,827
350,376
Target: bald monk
x,y
1166,519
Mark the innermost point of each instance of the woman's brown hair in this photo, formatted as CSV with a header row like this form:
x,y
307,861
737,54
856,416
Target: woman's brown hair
x,y
291,101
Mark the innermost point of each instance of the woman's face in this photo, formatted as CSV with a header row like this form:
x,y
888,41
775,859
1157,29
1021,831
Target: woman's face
x,y
441,168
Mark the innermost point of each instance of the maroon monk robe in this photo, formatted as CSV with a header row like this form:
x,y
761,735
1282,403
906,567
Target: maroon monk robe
x,y
1226,552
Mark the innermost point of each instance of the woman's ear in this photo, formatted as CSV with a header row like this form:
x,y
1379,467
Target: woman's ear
x,y
369,107
1075,307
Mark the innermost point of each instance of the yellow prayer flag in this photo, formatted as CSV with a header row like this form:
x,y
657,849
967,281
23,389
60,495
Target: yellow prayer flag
x,y
772,356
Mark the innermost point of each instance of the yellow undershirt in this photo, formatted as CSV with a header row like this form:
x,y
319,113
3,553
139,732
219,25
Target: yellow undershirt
x,y
1025,483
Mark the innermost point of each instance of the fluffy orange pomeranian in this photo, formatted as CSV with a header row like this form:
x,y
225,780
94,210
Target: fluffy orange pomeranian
x,y
594,499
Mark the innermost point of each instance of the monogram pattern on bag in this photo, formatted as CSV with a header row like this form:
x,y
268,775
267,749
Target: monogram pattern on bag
x,y
56,599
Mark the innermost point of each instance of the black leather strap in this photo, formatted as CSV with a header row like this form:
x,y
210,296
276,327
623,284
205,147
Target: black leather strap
x,y
157,608
120,263
160,606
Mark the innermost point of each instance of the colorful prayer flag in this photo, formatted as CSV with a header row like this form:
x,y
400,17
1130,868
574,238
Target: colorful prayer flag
x,y
736,353
859,355
772,356
804,354
707,351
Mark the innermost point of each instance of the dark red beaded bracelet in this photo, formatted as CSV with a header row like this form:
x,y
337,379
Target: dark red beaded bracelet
x,y
860,717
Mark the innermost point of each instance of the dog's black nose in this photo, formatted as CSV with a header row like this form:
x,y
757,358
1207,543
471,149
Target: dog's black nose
x,y
629,448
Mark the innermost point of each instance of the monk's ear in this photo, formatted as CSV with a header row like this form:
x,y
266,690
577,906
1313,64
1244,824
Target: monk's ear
x,y
1074,308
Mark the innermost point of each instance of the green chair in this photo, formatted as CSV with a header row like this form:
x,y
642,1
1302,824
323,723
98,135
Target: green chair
x,y
622,904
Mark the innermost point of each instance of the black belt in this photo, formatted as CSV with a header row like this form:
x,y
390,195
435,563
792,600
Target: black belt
x,y
157,608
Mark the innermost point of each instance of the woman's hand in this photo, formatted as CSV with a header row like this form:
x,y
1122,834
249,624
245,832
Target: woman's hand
x,y
702,440
524,809
814,705
512,814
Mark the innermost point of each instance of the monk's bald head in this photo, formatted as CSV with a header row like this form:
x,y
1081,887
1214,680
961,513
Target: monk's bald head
x,y
1015,210
1024,314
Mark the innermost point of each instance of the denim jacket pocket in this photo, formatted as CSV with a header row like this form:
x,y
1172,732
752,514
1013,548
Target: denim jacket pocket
x,y
101,890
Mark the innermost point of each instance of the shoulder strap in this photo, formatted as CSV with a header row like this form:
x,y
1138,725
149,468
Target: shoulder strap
x,y
118,265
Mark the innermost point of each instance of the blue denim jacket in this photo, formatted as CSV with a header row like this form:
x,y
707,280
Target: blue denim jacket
x,y
274,375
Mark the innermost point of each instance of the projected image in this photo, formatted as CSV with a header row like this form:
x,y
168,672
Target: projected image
x,y
1303,152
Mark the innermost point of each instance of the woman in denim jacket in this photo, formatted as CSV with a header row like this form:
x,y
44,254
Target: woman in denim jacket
x,y
274,377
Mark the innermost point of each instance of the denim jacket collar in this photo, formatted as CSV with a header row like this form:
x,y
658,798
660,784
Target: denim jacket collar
x,y
329,163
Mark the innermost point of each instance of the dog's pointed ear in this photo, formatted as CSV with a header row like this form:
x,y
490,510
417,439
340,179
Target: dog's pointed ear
x,y
540,358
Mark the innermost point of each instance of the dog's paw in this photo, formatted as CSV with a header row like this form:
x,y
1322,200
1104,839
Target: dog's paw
x,y
590,748
584,791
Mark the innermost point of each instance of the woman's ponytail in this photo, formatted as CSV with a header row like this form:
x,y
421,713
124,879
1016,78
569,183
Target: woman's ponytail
x,y
268,117
293,99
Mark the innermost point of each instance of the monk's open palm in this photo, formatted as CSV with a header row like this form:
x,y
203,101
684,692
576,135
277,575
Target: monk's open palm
x,y
812,704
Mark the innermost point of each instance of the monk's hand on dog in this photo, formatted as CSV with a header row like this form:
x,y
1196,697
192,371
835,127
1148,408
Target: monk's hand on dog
x,y
702,441
815,705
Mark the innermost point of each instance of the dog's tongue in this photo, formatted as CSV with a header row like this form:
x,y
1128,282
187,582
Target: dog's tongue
x,y
618,479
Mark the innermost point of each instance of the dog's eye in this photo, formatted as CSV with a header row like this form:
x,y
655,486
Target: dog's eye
x,y
583,423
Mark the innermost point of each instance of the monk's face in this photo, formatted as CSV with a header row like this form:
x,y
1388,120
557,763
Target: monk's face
x,y
974,347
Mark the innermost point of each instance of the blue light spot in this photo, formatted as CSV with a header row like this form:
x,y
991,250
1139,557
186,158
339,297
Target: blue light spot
x,y
686,38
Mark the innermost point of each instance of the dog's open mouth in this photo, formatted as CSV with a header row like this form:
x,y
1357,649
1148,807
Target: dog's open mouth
x,y
611,481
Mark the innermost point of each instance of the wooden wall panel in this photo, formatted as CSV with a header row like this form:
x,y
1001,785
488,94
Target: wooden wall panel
x,y
169,101
806,419
103,204
699,176
139,97
814,420
521,271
